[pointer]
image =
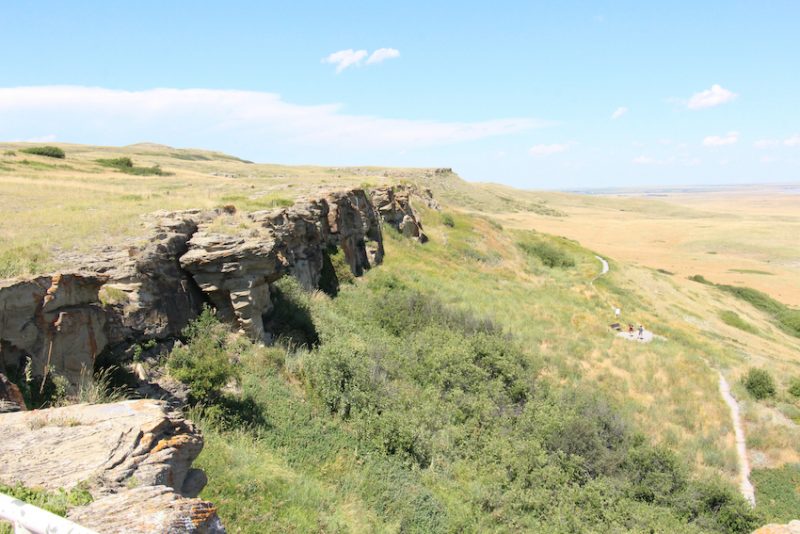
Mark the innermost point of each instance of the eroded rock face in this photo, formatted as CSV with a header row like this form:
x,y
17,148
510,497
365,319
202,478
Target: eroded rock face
x,y
57,321
394,206
236,270
153,290
148,510
11,399
150,296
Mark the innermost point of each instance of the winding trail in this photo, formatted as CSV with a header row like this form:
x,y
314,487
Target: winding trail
x,y
745,486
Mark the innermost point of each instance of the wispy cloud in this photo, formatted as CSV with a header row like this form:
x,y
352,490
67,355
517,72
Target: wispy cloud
x,y
792,141
546,150
730,138
345,58
225,119
619,112
709,98
382,54
683,161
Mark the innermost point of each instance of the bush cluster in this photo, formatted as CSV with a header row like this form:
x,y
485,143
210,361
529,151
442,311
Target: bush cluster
x,y
759,383
127,166
48,151
204,363
549,255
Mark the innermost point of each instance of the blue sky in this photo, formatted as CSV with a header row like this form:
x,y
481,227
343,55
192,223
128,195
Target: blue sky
x,y
534,94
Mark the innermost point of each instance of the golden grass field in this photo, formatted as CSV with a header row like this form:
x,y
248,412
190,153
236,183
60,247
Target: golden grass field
x,y
748,237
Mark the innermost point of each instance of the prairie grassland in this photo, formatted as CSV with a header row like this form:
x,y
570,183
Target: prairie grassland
x,y
667,387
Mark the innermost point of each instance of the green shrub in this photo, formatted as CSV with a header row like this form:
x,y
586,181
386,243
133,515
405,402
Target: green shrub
x,y
203,363
732,318
714,505
655,474
48,151
448,220
548,254
700,279
9,153
794,387
126,165
759,383
290,319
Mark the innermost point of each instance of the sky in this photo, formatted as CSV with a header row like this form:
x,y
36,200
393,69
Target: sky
x,y
540,95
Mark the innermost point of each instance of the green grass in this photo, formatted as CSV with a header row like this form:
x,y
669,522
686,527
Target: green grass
x,y
416,415
787,318
549,254
778,492
751,271
57,502
733,319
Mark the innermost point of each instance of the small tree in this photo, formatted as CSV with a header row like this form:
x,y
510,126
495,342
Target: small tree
x,y
759,383
48,151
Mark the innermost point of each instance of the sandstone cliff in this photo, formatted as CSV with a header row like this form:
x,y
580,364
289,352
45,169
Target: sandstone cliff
x,y
62,322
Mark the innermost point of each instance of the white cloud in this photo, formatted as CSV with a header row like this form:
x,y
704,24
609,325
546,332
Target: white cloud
x,y
238,121
715,140
345,58
711,97
546,150
792,141
619,112
382,54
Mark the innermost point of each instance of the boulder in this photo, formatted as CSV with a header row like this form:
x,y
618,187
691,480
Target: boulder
x,y
111,447
793,527
148,510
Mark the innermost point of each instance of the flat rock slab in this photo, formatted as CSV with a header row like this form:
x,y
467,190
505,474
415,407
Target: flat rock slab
x,y
107,446
646,337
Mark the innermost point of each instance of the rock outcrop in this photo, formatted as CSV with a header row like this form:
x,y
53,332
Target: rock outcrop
x,y
135,457
56,321
228,260
236,270
394,206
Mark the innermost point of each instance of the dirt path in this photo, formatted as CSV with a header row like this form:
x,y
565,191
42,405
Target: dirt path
x,y
748,492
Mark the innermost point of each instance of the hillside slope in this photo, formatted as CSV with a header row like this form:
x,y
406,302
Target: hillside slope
x,y
412,440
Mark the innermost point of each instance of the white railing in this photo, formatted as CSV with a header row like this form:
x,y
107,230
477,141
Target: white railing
x,y
28,519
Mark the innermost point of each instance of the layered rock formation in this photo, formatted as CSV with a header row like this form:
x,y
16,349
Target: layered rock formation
x,y
135,458
394,206
56,321
191,258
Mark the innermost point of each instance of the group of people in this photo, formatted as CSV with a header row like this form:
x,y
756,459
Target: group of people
x,y
617,312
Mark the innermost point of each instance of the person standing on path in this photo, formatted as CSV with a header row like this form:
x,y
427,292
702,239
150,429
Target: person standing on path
x,y
641,332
